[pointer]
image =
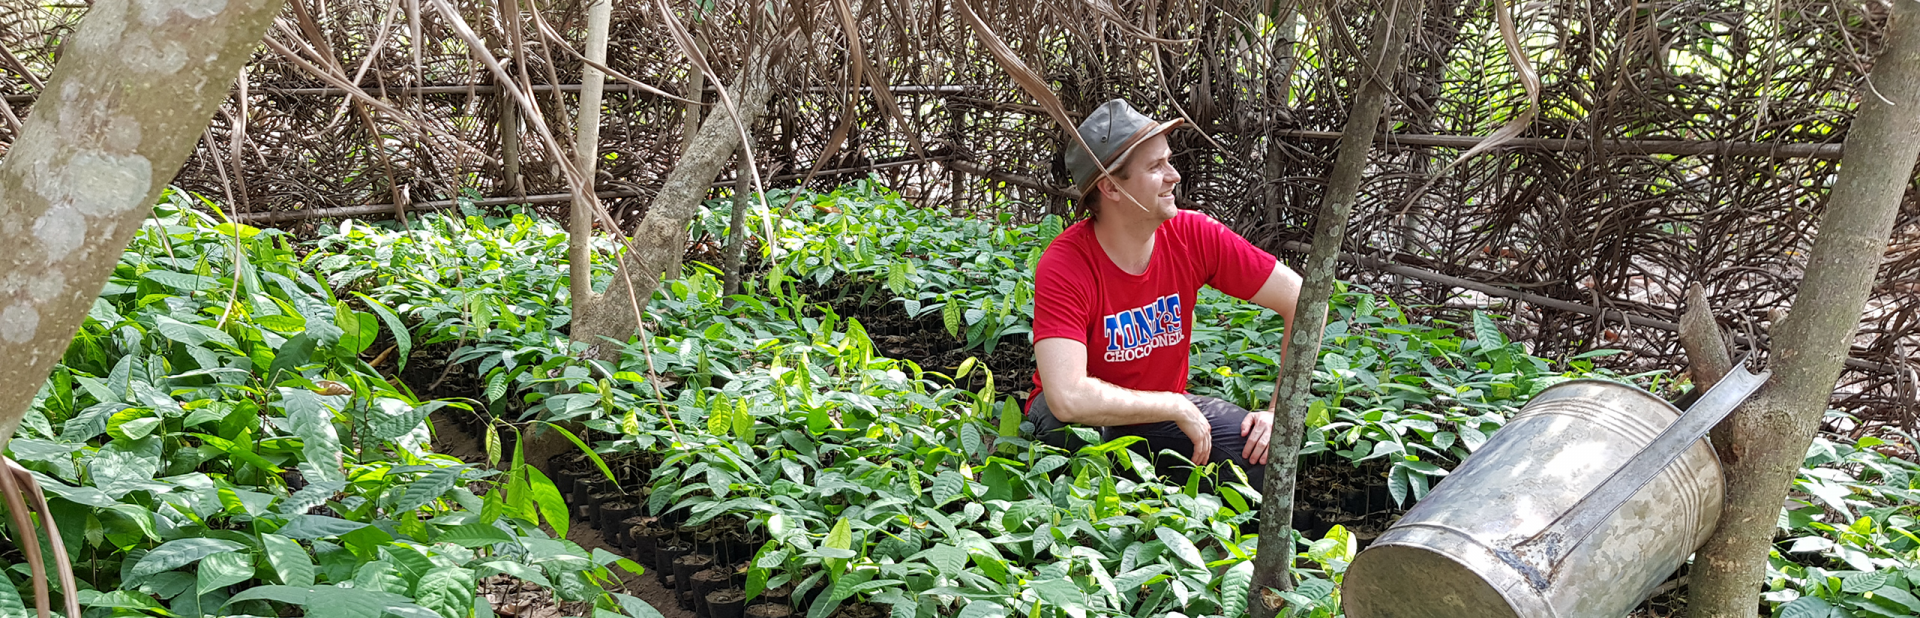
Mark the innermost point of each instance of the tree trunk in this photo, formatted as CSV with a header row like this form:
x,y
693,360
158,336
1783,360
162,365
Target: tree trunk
x,y
1275,557
1771,433
661,237
92,159
586,155
736,227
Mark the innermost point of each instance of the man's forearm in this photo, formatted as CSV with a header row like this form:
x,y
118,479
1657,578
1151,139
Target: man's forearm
x,y
1099,403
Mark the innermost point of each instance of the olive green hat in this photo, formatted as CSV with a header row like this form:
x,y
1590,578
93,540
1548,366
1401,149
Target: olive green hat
x,y
1112,131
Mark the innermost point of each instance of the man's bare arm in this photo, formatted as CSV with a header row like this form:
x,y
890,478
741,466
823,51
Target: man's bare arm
x,y
1075,397
1280,293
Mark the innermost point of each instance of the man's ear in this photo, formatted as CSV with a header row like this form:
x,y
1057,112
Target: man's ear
x,y
1107,189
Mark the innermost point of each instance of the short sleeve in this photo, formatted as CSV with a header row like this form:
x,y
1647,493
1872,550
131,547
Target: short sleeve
x,y
1238,268
1063,296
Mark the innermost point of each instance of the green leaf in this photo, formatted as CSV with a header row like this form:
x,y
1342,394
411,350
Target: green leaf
x,y
1863,582
982,608
497,384
358,330
392,418
474,535
547,497
1805,607
11,606
178,553
224,569
1234,587
181,281
447,590
743,424
720,418
309,418
311,527
947,559
191,334
288,559
841,537
515,569
427,488
382,576
1061,593
290,356
132,424
125,461
635,607
1486,332
402,339
951,316
333,601
1182,548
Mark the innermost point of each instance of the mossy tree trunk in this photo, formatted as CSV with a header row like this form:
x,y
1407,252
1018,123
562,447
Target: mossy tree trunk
x,y
113,128
1771,433
1271,564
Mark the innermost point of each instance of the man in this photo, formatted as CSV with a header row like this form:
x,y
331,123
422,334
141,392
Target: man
x,y
1114,297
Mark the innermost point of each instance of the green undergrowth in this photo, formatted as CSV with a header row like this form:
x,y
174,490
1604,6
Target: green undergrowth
x,y
212,443
869,479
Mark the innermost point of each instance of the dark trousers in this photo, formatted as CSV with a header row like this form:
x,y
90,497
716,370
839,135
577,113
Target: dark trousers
x,y
1228,444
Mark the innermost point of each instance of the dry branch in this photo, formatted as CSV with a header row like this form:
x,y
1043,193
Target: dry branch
x,y
1625,147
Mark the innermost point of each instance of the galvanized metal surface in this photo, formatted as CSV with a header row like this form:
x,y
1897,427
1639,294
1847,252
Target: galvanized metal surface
x,y
1501,535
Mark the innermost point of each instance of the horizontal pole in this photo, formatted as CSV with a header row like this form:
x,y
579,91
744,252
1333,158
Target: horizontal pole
x,y
1378,264
1018,180
491,89
287,216
1635,146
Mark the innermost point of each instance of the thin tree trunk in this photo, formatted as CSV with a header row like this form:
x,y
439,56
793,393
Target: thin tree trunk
x,y
1771,433
661,237
1272,563
696,91
510,146
89,164
736,226
586,154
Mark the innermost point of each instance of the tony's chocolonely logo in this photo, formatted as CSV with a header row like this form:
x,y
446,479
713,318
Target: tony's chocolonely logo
x,y
1134,333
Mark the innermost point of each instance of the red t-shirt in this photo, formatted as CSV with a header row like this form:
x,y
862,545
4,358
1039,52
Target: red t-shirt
x,y
1136,327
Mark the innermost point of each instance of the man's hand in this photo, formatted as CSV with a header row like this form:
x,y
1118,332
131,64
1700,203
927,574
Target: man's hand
x,y
1258,430
1195,425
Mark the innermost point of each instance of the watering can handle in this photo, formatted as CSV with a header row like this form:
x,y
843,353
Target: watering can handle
x,y
1538,555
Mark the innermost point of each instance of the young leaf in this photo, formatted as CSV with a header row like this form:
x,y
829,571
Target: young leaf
x,y
720,418
951,316
743,427
547,497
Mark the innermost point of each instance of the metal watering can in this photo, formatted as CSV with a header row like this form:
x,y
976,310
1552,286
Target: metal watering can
x,y
1582,505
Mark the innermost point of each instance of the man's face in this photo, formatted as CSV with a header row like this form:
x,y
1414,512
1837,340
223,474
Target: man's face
x,y
1150,179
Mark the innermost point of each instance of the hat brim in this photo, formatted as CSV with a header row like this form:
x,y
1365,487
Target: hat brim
x,y
1126,150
